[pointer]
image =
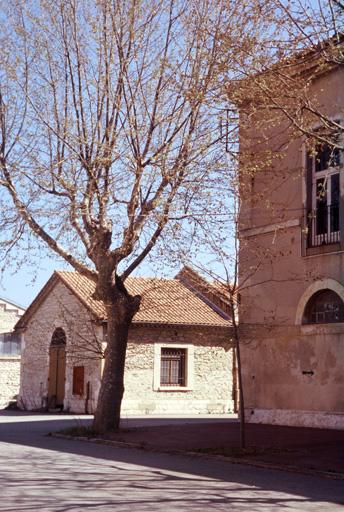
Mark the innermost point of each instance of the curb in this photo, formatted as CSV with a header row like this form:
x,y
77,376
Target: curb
x,y
233,460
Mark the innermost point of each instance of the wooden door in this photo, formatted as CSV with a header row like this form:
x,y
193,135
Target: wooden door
x,y
57,374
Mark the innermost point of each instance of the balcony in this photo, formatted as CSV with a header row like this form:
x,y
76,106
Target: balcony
x,y
322,227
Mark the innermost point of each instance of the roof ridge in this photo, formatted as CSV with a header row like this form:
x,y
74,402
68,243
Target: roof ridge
x,y
75,272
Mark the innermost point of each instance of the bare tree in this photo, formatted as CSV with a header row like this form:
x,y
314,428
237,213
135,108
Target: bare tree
x,y
109,133
108,137
307,42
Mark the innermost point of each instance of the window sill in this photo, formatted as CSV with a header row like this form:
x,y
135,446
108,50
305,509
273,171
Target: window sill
x,y
314,329
173,388
9,358
323,249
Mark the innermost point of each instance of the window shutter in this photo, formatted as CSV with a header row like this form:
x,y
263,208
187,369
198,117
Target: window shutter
x,y
78,380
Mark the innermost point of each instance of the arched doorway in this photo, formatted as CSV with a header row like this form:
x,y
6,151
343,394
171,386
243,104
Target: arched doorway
x,y
57,369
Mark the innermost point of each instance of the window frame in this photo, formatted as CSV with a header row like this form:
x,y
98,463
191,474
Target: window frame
x,y
10,339
326,176
174,359
326,237
311,303
189,367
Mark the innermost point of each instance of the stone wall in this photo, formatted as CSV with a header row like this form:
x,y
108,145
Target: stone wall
x,y
9,366
211,391
60,309
211,372
9,379
9,316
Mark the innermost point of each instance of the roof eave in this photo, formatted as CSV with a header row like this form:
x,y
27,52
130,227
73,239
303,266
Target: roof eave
x,y
98,317
142,323
35,304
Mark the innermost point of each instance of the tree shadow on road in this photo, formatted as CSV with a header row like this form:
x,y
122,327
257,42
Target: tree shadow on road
x,y
66,475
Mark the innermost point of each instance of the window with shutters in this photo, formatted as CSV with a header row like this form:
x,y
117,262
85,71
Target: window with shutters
x,y
323,215
173,367
78,380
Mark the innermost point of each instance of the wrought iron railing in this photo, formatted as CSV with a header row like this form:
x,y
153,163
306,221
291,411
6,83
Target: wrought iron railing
x,y
322,225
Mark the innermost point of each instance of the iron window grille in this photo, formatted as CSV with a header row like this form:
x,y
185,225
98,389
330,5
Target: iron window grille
x,y
324,307
173,367
323,196
58,337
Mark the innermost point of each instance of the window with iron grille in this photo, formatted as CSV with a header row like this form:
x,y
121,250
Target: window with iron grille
x,y
173,367
58,337
323,195
324,307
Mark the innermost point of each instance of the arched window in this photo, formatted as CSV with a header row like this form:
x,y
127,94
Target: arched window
x,y
324,307
58,337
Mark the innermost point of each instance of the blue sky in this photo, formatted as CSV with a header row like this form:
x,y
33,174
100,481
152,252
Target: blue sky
x,y
21,286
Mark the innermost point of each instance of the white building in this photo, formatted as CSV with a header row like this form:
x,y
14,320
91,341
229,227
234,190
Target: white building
x,y
9,351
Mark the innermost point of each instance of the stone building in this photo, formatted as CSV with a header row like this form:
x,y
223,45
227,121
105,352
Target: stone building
x,y
292,258
9,352
179,356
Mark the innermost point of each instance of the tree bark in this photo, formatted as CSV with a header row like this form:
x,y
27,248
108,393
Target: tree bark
x,y
120,313
241,393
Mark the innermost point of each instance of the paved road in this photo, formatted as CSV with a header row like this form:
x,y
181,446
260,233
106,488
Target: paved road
x,y
41,473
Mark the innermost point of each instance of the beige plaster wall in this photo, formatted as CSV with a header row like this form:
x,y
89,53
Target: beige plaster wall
x,y
211,391
276,352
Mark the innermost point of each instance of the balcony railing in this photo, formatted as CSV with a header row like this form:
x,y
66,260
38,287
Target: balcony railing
x,y
322,225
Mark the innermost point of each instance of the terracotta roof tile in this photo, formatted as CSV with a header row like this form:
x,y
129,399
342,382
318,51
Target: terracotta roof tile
x,y
164,301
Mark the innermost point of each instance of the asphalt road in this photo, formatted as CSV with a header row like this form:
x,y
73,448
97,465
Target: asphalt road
x,y
42,473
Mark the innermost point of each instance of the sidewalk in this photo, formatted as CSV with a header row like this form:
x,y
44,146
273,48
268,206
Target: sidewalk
x,y
293,448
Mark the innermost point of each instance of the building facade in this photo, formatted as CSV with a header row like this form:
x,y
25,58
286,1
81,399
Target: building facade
x,y
9,352
292,263
179,355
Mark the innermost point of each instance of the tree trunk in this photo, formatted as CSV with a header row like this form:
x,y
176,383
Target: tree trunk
x,y
119,316
240,379
241,393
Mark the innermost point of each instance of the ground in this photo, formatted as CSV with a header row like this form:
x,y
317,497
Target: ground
x,y
40,472
301,449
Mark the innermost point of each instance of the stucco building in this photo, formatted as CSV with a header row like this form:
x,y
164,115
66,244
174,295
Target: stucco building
x,y
292,259
179,356
9,352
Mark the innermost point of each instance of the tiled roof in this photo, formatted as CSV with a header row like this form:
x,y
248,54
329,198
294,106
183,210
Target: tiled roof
x,y
164,301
